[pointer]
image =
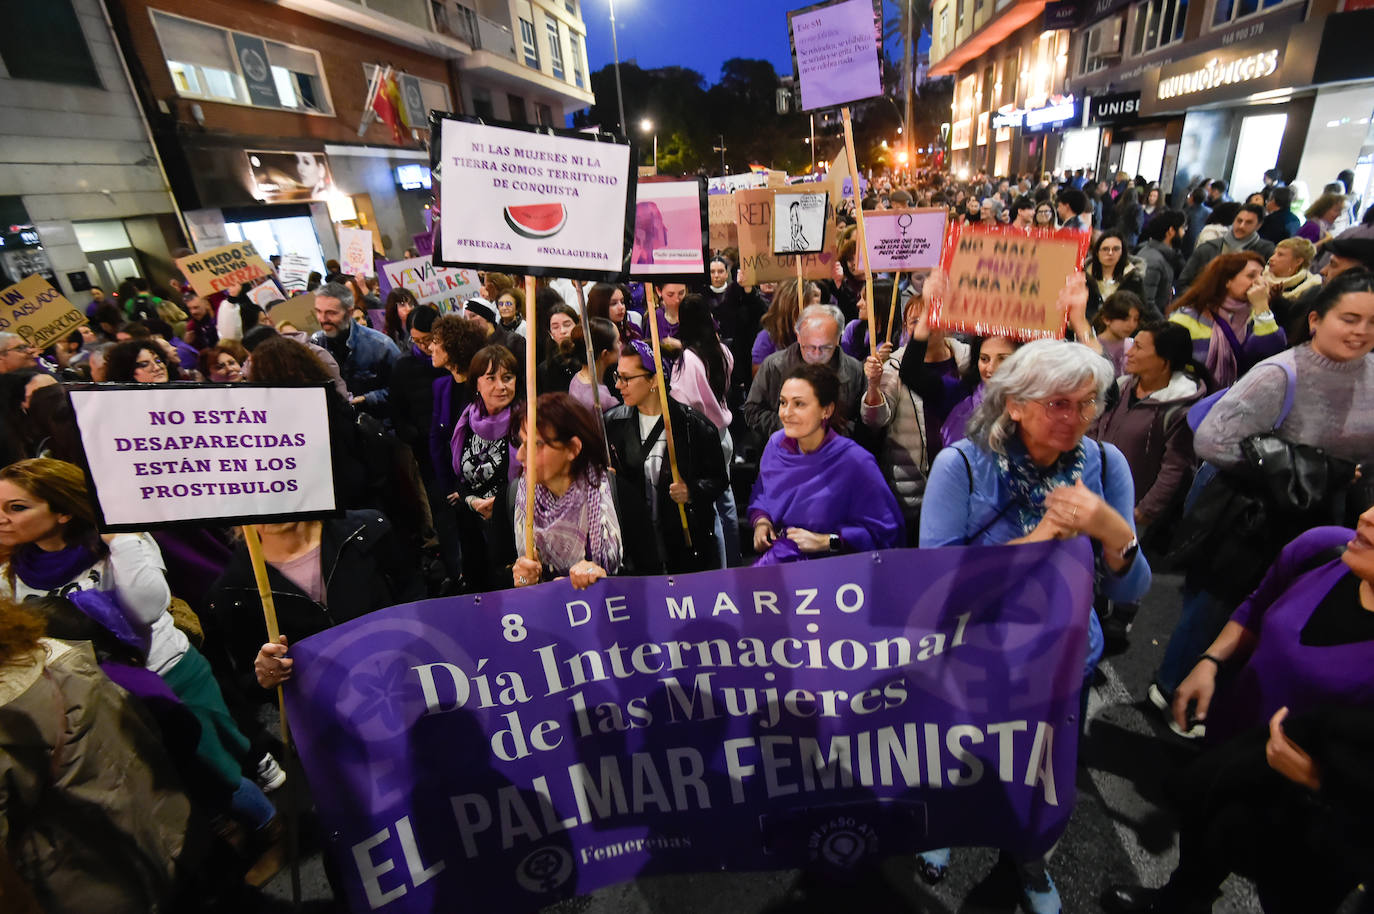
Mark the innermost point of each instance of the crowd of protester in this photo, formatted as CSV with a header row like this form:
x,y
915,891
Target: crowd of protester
x,y
1208,413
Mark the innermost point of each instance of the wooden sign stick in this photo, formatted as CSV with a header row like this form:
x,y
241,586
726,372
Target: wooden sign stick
x,y
650,298
531,426
591,365
859,214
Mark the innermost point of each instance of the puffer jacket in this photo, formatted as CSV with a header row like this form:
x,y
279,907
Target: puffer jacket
x,y
91,809
904,456
1132,280
1154,435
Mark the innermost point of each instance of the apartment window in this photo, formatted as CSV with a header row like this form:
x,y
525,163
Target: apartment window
x,y
1158,23
570,6
44,42
527,38
958,17
420,96
208,62
517,109
1102,44
545,114
1229,11
576,47
482,105
555,47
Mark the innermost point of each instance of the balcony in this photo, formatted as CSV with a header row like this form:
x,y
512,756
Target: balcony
x,y
478,32
394,20
968,44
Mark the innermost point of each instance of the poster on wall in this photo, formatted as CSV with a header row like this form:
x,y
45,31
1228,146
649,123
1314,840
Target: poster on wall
x,y
1005,282
289,177
533,200
672,231
799,222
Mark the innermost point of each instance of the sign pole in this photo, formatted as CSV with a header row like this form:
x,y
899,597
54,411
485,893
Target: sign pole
x,y
801,289
892,309
651,299
269,612
591,365
859,213
531,425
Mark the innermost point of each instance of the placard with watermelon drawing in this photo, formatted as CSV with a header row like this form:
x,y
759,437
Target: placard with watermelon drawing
x,y
534,200
671,231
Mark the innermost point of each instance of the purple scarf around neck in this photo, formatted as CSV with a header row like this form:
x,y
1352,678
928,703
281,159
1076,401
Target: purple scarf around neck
x,y
1228,334
43,570
475,419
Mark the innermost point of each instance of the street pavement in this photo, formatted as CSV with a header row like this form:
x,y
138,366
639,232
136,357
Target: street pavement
x,y
1121,830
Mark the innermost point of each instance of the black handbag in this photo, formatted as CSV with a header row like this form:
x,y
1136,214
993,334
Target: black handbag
x,y
1300,479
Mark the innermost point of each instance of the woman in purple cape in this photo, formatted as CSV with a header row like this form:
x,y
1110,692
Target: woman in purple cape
x,y
818,493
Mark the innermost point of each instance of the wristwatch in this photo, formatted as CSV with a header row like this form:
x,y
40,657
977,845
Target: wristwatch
x,y
835,542
1128,552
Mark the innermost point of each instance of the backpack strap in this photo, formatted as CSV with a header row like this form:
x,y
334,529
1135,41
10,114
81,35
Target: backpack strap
x,y
968,467
1289,392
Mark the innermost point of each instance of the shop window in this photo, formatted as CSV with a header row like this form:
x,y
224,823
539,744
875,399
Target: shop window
x,y
44,42
529,40
482,105
203,64
555,48
1229,11
517,109
1101,45
1158,24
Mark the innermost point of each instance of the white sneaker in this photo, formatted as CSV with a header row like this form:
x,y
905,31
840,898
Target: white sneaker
x,y
270,774
1196,731
1158,698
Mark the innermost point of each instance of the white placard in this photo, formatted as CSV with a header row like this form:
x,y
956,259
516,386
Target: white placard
x,y
265,293
294,272
164,454
799,222
515,200
355,251
446,288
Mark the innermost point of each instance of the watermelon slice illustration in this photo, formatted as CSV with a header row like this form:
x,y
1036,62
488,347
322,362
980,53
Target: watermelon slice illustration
x,y
537,220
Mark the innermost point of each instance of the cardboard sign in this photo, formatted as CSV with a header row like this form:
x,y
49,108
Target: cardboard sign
x,y
799,222
671,231
904,239
1005,282
355,251
299,312
721,213
837,54
37,312
224,268
445,288
162,454
754,216
532,200
295,272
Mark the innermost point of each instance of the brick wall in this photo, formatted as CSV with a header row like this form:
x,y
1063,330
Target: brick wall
x,y
343,52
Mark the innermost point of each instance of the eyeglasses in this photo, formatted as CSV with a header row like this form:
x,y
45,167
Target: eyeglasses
x,y
22,347
617,377
1061,409
818,350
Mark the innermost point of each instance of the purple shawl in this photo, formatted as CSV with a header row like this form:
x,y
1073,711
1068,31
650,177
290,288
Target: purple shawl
x,y
43,570
488,428
837,488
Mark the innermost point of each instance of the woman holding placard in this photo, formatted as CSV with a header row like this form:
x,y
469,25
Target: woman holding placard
x,y
576,529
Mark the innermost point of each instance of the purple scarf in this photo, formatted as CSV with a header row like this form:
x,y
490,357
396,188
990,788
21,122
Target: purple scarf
x,y
43,570
581,524
1228,333
489,428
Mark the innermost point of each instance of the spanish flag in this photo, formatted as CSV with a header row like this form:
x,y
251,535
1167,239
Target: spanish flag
x,y
386,103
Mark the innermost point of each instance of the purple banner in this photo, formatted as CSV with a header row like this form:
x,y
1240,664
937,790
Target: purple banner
x,y
503,751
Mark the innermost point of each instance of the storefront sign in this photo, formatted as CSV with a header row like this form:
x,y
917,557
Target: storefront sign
x,y
905,239
222,269
534,200
1061,14
506,751
758,263
446,288
1101,9
837,52
671,231
1280,57
1005,282
1005,120
289,177
257,72
1052,116
163,454
1219,72
36,311
1114,108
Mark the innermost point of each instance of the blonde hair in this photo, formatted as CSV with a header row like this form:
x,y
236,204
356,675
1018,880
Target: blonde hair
x,y
1302,249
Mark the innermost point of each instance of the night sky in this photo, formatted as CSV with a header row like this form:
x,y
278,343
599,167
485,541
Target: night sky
x,y
698,34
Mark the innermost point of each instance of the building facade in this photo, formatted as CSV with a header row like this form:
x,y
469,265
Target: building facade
x,y
82,197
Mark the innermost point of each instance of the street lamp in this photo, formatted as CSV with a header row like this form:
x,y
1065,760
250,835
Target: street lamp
x,y
615,48
647,125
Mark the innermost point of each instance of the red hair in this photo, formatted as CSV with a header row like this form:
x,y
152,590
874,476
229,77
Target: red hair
x,y
1208,290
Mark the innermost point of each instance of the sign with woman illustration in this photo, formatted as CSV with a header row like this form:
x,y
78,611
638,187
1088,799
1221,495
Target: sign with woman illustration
x,y
671,231
799,222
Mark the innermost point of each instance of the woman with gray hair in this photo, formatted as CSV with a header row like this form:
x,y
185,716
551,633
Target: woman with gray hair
x,y
1025,475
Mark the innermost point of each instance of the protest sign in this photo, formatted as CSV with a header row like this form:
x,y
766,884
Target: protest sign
x,y
837,48
671,231
721,213
295,272
799,222
264,294
224,268
905,239
423,243
728,184
355,251
1005,281
758,263
548,741
196,453
298,311
533,200
445,288
36,311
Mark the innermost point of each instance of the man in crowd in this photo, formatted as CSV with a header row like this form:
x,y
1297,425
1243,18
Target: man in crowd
x,y
1022,213
818,342
1280,221
1216,193
1071,205
1243,236
16,354
1159,250
365,356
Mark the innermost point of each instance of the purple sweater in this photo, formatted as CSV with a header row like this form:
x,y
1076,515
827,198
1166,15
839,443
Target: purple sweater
x,y
1283,671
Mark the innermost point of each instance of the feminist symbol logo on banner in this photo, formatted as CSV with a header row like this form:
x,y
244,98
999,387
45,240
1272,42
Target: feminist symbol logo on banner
x,y
904,222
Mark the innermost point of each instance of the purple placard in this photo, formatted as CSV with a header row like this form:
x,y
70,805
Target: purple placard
x,y
905,239
502,751
423,243
837,54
